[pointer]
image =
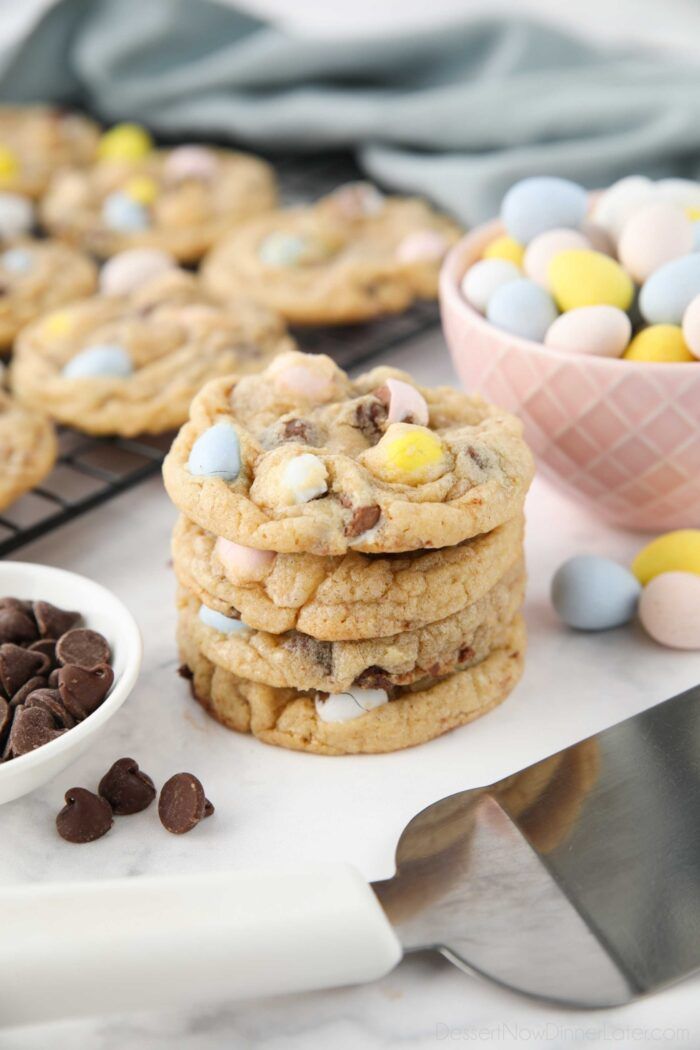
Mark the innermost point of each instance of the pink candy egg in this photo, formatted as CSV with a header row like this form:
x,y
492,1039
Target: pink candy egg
x,y
599,238
126,271
243,564
422,246
190,162
405,404
653,235
669,609
601,330
691,326
543,248
304,382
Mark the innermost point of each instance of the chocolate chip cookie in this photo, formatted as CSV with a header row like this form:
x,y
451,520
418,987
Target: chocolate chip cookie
x,y
27,448
37,140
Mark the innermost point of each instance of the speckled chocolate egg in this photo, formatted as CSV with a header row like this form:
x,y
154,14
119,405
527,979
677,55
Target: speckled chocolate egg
x,y
669,609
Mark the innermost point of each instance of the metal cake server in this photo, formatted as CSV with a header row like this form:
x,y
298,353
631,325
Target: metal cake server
x,y
576,880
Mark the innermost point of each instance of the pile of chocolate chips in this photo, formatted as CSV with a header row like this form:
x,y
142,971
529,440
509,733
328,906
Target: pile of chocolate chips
x,y
126,789
53,674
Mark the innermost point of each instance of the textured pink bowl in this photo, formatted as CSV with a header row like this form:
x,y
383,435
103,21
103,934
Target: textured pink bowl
x,y
622,436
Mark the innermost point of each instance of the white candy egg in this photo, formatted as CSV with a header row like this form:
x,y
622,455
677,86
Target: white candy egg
x,y
615,205
483,278
652,236
603,331
669,609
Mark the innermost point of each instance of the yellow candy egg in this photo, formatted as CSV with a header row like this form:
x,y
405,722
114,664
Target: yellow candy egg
x,y
673,552
125,142
58,324
693,214
407,455
8,164
580,277
660,343
505,248
142,188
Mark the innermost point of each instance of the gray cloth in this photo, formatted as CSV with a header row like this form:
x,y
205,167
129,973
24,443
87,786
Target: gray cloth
x,y
457,113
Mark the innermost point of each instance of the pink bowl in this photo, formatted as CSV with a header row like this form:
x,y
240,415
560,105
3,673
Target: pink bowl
x,y
623,436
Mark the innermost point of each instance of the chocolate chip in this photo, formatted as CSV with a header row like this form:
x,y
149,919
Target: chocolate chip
x,y
374,678
296,428
83,689
47,646
320,652
27,689
478,457
5,716
31,728
127,788
53,678
82,647
465,653
185,672
52,621
182,803
208,808
16,624
18,665
85,816
50,700
363,518
370,416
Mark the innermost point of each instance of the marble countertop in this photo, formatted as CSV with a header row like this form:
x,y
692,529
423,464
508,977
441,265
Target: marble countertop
x,y
269,805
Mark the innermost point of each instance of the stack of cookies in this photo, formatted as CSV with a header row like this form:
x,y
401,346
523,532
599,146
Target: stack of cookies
x,y
349,555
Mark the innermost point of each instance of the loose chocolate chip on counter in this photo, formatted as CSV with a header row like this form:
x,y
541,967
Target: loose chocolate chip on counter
x,y
31,728
208,808
50,700
16,625
82,647
18,665
83,689
85,816
182,803
38,682
52,621
363,518
127,788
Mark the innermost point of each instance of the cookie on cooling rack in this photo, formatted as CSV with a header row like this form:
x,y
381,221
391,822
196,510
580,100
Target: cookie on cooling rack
x,y
352,256
27,448
179,200
130,363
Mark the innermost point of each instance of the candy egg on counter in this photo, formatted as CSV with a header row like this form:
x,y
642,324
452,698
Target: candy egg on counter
x,y
666,295
505,248
652,236
601,330
540,252
540,203
669,609
677,551
594,594
691,327
615,205
483,278
662,343
523,308
580,277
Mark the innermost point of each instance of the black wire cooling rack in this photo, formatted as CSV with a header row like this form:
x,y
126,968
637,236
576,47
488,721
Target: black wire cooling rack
x,y
91,470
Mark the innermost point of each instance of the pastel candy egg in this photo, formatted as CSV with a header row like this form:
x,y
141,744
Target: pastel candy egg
x,y
106,361
691,326
601,330
483,278
58,324
17,260
586,278
122,213
344,707
406,455
505,248
660,343
141,188
683,192
191,162
282,249
125,142
219,622
598,237
16,215
523,308
243,564
422,246
304,478
540,252
305,382
542,203
696,235
652,236
614,206
404,403
357,200
216,453
9,165
594,594
666,295
128,270
677,551
669,609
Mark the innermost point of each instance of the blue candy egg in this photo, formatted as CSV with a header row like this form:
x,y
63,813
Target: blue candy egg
x,y
16,260
666,294
216,453
594,594
541,203
523,308
282,249
106,360
217,620
122,213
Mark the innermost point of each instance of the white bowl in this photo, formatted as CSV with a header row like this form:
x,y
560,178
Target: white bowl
x,y
103,612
